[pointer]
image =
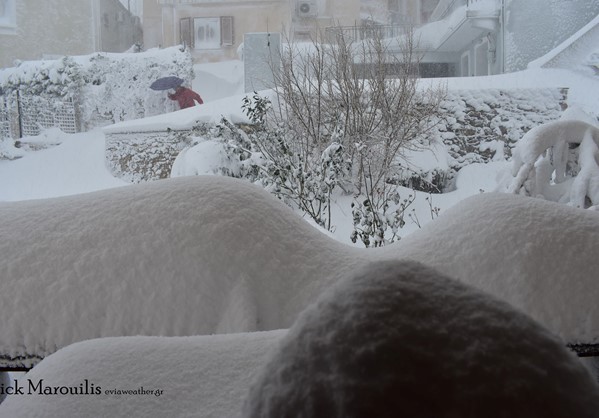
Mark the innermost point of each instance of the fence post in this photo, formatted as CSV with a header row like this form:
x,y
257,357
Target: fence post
x,y
19,115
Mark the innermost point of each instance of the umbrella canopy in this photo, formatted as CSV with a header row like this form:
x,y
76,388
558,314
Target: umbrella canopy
x,y
166,83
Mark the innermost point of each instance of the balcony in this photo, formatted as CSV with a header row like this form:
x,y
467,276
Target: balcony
x,y
462,21
364,32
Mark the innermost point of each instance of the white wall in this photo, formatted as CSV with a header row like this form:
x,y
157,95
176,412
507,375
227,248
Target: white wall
x,y
535,27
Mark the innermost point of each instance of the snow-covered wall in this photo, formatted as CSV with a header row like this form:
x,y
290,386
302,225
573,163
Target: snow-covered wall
x,y
578,52
46,28
145,156
481,125
534,27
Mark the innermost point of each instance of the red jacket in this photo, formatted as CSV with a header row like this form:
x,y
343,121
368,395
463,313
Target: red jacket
x,y
185,97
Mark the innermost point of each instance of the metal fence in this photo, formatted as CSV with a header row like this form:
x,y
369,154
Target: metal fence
x,y
27,115
364,32
4,118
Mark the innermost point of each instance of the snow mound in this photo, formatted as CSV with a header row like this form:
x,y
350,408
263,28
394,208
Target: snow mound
x,y
539,256
206,158
205,376
399,339
177,257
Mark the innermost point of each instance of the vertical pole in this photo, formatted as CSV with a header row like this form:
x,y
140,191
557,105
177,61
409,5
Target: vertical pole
x,y
19,114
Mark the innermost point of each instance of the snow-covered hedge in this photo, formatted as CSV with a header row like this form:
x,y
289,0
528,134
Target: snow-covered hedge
x,y
104,87
117,85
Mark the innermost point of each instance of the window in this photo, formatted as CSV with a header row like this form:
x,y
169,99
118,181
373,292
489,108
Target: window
x,y
211,32
226,30
207,33
8,17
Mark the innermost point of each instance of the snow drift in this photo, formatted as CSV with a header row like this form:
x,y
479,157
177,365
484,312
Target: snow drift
x,y
206,376
187,256
539,256
398,339
203,255
390,337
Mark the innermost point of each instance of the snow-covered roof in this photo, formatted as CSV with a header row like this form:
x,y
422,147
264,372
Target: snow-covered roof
x,y
458,29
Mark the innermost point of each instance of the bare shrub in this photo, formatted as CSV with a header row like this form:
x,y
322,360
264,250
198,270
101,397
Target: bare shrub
x,y
362,100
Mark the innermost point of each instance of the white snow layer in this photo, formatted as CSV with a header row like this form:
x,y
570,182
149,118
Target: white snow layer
x,y
207,254
205,376
187,256
139,260
76,165
398,339
540,256
572,53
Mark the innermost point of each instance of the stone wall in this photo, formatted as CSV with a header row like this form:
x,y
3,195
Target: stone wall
x,y
478,126
144,156
477,119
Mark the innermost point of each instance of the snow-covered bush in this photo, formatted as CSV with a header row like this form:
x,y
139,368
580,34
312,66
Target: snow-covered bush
x,y
268,155
117,85
372,218
399,339
559,161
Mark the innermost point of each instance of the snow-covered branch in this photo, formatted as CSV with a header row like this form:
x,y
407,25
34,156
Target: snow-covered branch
x,y
559,161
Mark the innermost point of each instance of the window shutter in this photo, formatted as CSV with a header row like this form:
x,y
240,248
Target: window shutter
x,y
186,32
226,31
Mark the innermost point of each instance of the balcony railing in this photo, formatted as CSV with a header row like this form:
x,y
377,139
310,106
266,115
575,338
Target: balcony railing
x,y
364,32
445,7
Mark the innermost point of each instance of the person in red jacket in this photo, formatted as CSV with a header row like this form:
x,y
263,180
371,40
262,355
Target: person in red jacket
x,y
185,97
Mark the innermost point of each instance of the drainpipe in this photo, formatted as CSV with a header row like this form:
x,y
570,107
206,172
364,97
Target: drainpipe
x,y
95,25
502,36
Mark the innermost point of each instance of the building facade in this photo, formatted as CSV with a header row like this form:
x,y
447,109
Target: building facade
x,y
34,29
486,37
215,30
